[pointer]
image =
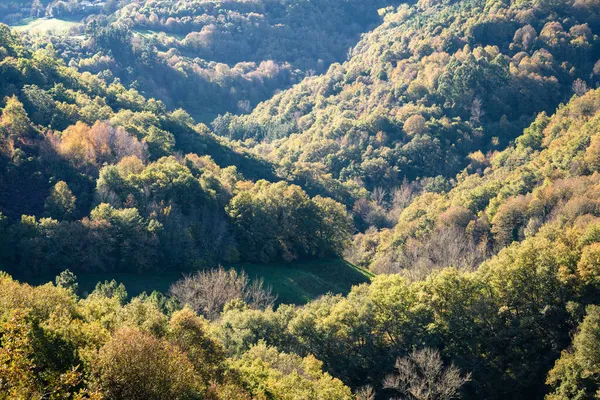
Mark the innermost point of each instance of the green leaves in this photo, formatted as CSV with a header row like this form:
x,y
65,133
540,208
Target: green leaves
x,y
576,375
280,222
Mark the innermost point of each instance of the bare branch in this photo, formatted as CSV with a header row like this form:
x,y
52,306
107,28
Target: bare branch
x,y
422,376
207,292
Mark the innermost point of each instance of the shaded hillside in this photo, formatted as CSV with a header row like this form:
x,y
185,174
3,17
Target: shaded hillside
x,y
95,177
296,283
210,57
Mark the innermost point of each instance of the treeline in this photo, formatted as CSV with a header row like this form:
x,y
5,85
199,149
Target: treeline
x,y
53,343
95,177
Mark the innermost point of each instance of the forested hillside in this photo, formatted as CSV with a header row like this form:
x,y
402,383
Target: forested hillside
x,y
506,197
502,327
448,166
432,84
54,345
146,189
505,322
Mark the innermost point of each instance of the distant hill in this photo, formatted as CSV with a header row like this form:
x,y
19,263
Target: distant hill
x,y
208,57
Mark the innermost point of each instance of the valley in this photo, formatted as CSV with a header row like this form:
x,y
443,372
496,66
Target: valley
x,y
299,200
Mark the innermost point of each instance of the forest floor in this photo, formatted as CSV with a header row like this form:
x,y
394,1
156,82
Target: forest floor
x,y
295,283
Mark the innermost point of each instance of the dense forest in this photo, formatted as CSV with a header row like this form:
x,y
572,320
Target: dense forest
x,y
448,151
428,87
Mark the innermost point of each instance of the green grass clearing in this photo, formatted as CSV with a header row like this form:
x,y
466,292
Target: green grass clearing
x,y
149,32
296,283
299,283
45,25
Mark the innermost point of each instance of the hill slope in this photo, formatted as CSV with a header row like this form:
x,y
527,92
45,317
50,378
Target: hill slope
x,y
507,321
95,177
208,57
433,83
549,177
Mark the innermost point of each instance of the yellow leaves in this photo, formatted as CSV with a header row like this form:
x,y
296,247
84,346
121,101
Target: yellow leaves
x,y
283,376
128,357
16,366
136,366
130,165
566,276
415,125
42,300
61,202
20,376
192,334
575,373
589,264
144,316
509,220
553,33
592,154
15,126
102,143
100,310
75,143
80,333
456,216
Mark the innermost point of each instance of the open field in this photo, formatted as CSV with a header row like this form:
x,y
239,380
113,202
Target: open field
x,y
45,25
298,283
295,283
149,33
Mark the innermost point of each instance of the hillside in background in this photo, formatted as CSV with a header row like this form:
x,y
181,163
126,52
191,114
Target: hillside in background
x,y
435,82
207,57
